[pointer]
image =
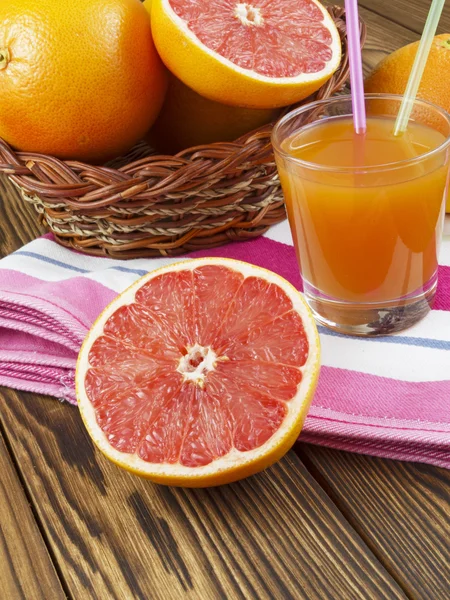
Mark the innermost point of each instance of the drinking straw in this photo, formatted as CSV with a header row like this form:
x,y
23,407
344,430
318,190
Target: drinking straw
x,y
429,31
355,61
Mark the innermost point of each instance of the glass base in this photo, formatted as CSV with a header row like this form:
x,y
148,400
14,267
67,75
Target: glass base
x,y
372,319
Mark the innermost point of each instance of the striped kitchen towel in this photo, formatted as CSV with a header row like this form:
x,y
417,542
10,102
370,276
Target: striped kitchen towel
x,y
386,397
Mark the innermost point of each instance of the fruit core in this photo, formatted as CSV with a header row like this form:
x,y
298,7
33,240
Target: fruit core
x,y
248,15
197,362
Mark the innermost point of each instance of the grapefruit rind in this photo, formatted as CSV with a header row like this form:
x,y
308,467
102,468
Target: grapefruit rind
x,y
236,464
217,78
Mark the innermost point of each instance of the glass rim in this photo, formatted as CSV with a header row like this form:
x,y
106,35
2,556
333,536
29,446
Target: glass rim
x,y
369,168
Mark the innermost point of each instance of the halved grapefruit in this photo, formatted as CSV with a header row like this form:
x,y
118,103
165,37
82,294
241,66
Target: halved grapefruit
x,y
259,54
199,374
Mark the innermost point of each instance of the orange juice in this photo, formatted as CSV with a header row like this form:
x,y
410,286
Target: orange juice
x,y
366,212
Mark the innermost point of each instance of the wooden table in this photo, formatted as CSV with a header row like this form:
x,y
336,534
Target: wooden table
x,y
319,524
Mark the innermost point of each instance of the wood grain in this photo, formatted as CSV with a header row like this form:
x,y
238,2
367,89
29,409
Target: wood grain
x,y
19,222
26,569
383,35
275,535
411,15
383,38
402,511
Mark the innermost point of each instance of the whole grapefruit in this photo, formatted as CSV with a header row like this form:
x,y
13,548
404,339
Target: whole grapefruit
x,y
391,74
78,80
188,119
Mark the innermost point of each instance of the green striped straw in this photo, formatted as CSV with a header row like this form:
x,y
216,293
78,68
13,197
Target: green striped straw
x,y
429,31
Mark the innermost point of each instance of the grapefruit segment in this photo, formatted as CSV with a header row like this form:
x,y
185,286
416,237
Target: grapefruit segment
x,y
210,431
199,374
253,414
108,350
162,442
256,302
273,380
170,299
214,289
129,412
282,340
259,54
256,425
141,327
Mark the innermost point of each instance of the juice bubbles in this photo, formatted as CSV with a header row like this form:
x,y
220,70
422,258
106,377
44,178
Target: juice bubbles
x,y
366,214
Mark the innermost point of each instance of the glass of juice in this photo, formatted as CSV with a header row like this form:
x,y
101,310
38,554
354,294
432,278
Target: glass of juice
x,y
366,211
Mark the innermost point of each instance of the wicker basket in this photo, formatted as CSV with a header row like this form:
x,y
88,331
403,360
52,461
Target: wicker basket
x,y
146,205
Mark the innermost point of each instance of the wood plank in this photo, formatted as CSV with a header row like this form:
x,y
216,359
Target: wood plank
x,y
275,535
408,13
401,510
26,569
20,222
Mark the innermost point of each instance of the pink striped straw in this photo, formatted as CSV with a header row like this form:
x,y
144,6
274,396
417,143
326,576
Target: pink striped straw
x,y
356,72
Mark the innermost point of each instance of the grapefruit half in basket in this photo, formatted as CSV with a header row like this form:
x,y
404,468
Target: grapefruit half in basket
x,y
258,54
199,374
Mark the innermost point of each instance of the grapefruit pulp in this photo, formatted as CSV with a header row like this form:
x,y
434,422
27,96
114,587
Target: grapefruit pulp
x,y
260,54
199,374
